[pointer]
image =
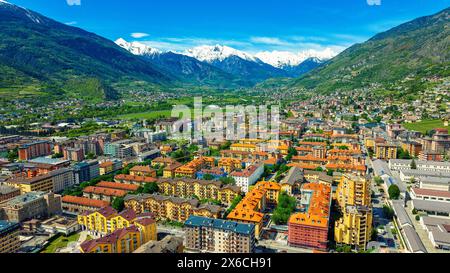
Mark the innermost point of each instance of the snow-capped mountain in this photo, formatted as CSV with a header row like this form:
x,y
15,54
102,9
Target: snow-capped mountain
x,y
137,48
217,53
282,59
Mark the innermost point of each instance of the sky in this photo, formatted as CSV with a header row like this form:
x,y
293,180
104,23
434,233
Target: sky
x,y
248,25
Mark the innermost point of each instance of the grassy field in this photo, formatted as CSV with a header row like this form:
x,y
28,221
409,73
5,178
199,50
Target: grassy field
x,y
60,242
147,115
425,125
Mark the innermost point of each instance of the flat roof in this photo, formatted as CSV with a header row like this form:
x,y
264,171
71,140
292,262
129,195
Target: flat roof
x,y
236,227
426,205
414,240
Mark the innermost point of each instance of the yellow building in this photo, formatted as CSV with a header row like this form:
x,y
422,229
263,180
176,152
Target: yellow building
x,y
170,208
249,209
203,189
242,147
229,164
169,170
42,183
125,239
107,220
353,190
143,171
190,169
385,151
369,143
272,190
355,226
9,237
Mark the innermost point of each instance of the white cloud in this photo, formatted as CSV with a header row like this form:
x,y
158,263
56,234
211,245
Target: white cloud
x,y
73,2
71,23
139,35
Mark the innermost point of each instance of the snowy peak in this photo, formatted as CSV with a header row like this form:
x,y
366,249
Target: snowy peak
x,y
281,59
216,53
137,48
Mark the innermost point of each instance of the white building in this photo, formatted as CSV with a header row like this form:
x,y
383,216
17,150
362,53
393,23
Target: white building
x,y
422,165
248,177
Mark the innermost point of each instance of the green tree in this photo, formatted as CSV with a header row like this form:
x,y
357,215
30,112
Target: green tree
x,y
150,188
394,192
208,176
286,205
118,204
227,180
388,212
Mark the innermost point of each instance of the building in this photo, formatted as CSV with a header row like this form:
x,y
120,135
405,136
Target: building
x,y
438,231
421,165
229,164
169,244
133,179
413,147
170,208
432,195
100,193
123,240
355,226
272,191
30,205
142,171
35,149
55,181
73,154
190,169
385,151
248,177
353,190
8,192
107,220
292,181
218,236
309,229
418,175
108,167
118,149
60,224
76,205
85,171
249,210
202,189
9,236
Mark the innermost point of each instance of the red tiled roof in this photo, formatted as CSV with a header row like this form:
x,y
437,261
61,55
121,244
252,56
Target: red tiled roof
x,y
105,191
83,201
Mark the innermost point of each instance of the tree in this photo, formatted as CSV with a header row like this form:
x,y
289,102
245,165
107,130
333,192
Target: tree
x,y
150,188
413,165
394,192
286,205
118,204
227,180
13,154
378,180
388,212
208,176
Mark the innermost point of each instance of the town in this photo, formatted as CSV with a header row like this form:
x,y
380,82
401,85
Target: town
x,y
344,175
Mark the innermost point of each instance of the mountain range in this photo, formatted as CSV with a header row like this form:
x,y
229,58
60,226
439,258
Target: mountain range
x,y
40,57
244,68
397,59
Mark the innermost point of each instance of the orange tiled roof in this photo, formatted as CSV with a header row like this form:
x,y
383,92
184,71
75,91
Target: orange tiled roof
x,y
308,158
135,178
83,201
303,166
139,168
318,212
104,191
346,167
119,186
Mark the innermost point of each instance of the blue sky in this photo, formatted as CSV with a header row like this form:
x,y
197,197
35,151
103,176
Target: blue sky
x,y
250,25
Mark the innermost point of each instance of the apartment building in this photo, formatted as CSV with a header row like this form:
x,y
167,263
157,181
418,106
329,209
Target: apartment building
x,y
190,169
353,190
309,228
9,236
355,226
8,192
218,236
170,208
248,177
35,149
76,205
107,220
143,171
203,189
30,205
123,240
385,151
85,171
